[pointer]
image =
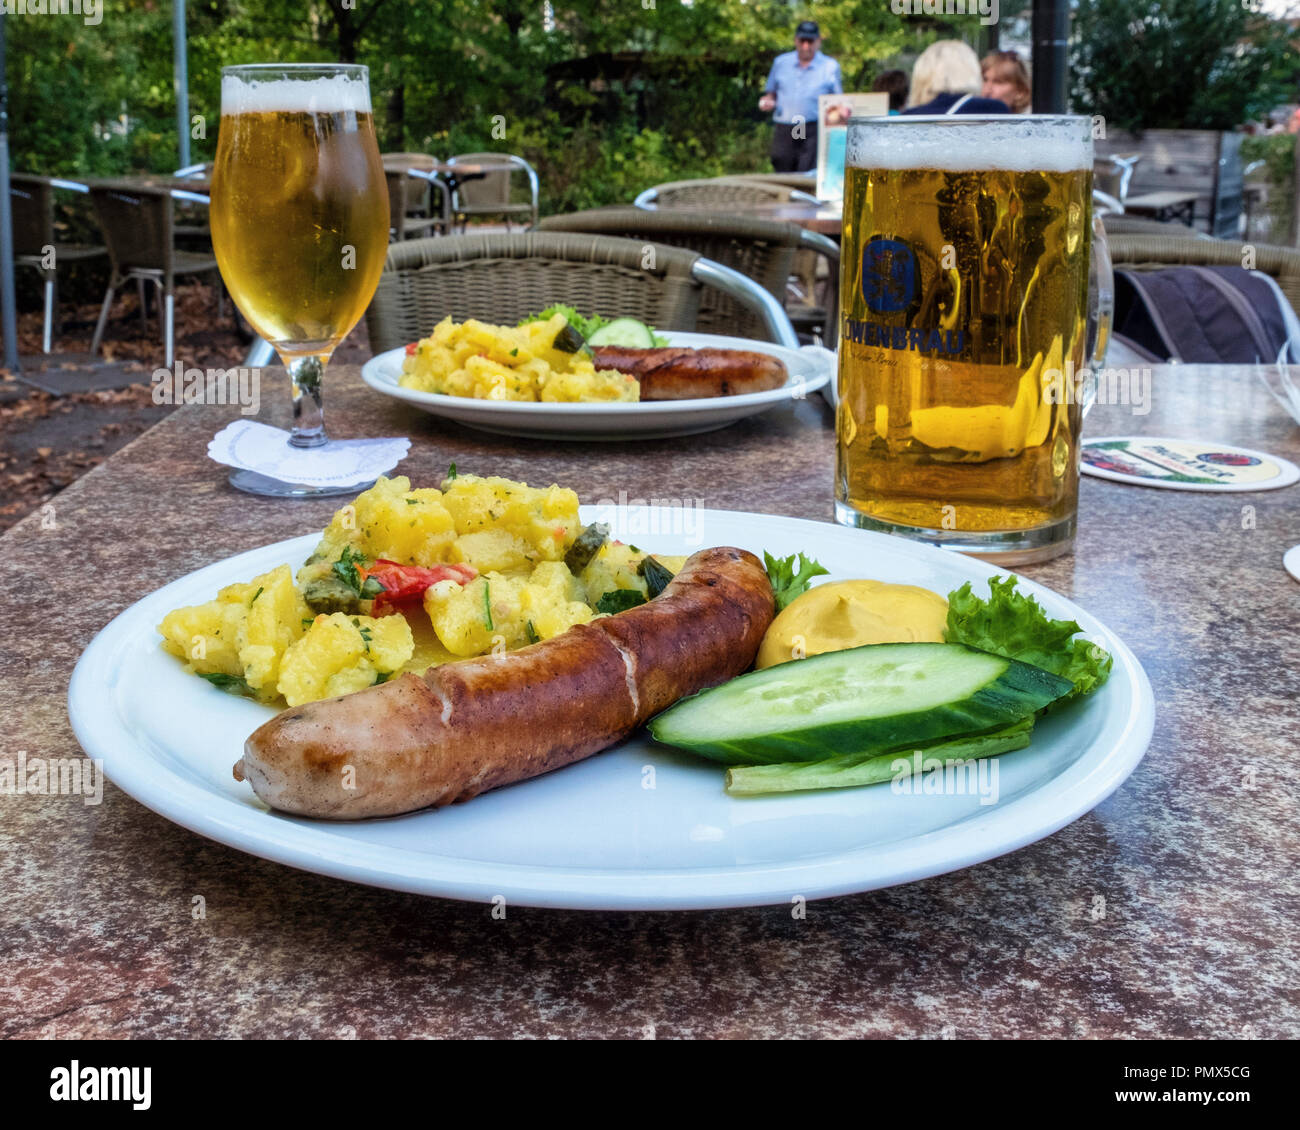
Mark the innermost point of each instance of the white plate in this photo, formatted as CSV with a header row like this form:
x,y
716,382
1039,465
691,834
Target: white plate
x,y
593,835
647,419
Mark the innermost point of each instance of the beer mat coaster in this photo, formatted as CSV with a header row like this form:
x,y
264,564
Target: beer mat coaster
x,y
1291,559
249,446
1185,464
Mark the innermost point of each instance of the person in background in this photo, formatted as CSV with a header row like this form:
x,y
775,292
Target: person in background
x,y
893,83
946,80
1006,78
794,83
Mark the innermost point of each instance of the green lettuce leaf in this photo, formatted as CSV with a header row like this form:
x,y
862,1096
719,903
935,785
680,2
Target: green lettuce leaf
x,y
1014,625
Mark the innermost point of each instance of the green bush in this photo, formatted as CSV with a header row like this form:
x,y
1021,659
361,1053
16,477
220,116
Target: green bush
x,y
1277,151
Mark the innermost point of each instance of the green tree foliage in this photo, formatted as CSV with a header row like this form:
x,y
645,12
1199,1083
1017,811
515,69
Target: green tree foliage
x,y
605,97
1179,64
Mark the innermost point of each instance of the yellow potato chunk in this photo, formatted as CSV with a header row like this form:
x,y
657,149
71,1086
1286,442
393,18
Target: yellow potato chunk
x,y
341,654
495,611
544,519
552,601
496,550
243,633
392,521
584,382
615,567
489,362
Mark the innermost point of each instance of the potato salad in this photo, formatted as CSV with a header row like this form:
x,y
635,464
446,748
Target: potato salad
x,y
404,579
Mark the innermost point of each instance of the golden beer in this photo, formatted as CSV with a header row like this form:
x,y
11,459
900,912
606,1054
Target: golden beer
x,y
299,214
964,293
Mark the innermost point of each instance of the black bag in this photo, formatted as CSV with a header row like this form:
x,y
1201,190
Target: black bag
x,y
1206,315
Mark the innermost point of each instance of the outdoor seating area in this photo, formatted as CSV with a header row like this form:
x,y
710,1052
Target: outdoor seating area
x,y
598,520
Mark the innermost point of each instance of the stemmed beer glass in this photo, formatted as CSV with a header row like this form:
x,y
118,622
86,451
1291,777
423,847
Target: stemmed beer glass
x,y
299,218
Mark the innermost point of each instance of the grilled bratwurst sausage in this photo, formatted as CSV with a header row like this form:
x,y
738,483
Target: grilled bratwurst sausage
x,y
466,727
687,374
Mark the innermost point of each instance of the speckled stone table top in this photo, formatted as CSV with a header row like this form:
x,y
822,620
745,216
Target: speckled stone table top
x,y
1170,910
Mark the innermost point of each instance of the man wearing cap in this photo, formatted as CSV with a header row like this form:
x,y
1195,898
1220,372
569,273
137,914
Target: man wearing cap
x,y
793,85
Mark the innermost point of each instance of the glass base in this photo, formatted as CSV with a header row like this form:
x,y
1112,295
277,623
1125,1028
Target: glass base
x,y
998,547
252,483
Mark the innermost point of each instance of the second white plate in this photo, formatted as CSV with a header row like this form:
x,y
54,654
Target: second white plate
x,y
808,371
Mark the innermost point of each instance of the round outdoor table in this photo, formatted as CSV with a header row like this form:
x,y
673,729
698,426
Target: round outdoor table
x,y
1166,911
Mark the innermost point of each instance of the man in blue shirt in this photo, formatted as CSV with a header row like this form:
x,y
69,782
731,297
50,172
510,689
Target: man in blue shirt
x,y
793,85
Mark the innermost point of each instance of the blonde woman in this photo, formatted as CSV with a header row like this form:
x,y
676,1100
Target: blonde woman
x,y
1006,78
947,80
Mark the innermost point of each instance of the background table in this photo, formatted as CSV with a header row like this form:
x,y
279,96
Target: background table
x,y
1169,910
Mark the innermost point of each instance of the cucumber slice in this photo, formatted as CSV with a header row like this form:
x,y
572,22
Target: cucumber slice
x,y
880,696
626,332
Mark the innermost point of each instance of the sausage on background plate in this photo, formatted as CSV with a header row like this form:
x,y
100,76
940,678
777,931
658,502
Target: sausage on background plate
x,y
687,374
473,725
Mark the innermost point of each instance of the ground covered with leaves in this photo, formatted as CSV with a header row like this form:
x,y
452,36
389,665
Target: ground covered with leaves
x,y
47,441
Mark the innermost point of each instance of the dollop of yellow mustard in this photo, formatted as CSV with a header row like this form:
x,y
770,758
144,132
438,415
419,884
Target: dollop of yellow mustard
x,y
845,614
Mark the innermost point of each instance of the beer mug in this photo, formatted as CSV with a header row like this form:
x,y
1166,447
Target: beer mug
x,y
299,219
975,304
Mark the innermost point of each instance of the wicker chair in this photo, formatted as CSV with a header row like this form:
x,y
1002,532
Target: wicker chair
x,y
1120,223
406,197
763,250
719,194
504,277
1151,252
137,226
806,182
32,203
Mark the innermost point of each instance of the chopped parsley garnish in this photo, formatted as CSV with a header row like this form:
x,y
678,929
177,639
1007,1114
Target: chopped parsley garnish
x,y
365,632
487,605
255,596
345,568
533,637
451,472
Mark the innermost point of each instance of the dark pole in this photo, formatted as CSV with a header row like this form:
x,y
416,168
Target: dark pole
x,y
1051,31
8,313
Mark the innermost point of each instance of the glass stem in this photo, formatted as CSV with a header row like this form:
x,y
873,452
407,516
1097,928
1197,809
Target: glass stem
x,y
308,413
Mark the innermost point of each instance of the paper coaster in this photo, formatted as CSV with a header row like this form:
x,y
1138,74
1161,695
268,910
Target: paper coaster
x,y
251,446
1291,559
1185,464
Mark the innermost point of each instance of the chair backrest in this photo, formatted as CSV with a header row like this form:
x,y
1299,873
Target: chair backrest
x,y
403,195
502,278
1151,252
494,187
136,222
717,193
762,250
805,181
31,200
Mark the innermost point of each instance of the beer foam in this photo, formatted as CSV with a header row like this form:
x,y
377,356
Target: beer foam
x,y
332,94
1017,145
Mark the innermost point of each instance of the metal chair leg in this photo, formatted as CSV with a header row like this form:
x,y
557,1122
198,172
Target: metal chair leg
x,y
169,304
144,306
103,320
47,336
